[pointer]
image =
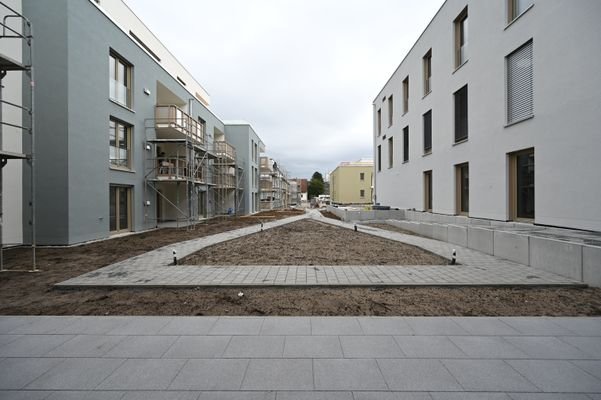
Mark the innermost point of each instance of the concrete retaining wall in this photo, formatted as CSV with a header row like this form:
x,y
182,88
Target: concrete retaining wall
x,y
366,215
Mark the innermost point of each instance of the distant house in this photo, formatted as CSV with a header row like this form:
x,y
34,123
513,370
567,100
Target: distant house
x,y
350,182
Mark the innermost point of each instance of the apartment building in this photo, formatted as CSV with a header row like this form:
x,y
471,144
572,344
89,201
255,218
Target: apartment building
x,y
166,158
498,121
249,146
274,185
294,194
351,182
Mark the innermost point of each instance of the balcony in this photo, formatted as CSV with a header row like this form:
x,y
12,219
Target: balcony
x,y
225,152
177,169
172,123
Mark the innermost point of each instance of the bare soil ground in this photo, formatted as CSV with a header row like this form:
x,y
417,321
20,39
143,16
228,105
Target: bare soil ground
x,y
25,293
312,243
328,214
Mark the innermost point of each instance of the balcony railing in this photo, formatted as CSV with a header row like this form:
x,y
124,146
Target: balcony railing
x,y
169,168
173,118
225,151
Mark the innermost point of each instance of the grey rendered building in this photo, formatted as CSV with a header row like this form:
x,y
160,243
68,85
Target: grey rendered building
x,y
100,69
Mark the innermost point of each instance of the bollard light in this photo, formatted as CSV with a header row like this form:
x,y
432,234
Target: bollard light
x,y
174,257
454,258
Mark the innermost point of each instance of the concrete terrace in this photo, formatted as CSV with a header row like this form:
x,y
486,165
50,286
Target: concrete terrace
x,y
300,358
153,269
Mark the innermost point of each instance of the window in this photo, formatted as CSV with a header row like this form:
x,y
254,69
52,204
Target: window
x,y
428,132
361,176
460,114
462,189
428,72
406,95
406,144
120,78
461,38
520,84
390,153
379,158
390,111
202,128
362,193
428,191
379,121
119,144
515,8
119,208
521,184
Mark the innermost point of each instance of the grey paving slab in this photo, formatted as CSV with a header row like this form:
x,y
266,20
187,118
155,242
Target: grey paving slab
x,y
370,347
255,347
391,396
142,374
435,326
487,347
280,374
488,376
587,344
484,326
86,346
141,326
210,375
24,395
335,326
237,326
314,396
417,375
80,395
385,326
312,347
76,374
33,345
336,374
9,323
580,326
188,326
141,347
546,347
198,347
593,367
16,373
92,325
286,326
44,325
160,395
470,396
240,395
557,376
429,347
548,396
6,339
536,326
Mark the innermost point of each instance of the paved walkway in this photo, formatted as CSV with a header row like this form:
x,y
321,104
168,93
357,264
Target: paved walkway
x,y
153,269
280,358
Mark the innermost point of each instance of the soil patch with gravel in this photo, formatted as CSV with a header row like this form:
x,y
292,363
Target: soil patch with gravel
x,y
309,242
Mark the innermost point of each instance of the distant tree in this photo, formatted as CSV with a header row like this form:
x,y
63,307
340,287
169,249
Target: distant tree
x,y
315,187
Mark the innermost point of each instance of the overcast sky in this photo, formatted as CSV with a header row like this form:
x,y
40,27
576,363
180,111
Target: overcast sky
x,y
302,72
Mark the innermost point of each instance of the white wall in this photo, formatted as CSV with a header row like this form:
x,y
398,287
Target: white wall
x,y
564,130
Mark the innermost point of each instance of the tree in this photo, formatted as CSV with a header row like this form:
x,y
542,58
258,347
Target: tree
x,y
315,187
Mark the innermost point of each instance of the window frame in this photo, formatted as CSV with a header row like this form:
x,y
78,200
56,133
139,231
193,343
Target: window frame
x,y
427,66
529,42
406,95
513,10
513,185
406,144
461,31
427,116
428,203
129,206
128,128
459,189
362,193
379,121
361,176
128,76
379,156
458,114
390,111
390,152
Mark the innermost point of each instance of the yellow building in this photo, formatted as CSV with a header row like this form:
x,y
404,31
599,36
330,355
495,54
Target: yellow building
x,y
351,182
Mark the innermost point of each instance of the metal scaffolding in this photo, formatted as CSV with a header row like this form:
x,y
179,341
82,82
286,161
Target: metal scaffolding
x,y
7,64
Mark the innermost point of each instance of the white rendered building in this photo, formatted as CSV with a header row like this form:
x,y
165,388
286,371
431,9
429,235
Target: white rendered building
x,y
499,121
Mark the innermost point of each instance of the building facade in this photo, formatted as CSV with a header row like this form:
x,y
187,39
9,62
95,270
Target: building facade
x,y
274,185
498,121
165,157
249,147
350,182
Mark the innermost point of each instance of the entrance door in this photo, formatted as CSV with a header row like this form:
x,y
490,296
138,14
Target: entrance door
x,y
522,185
119,209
